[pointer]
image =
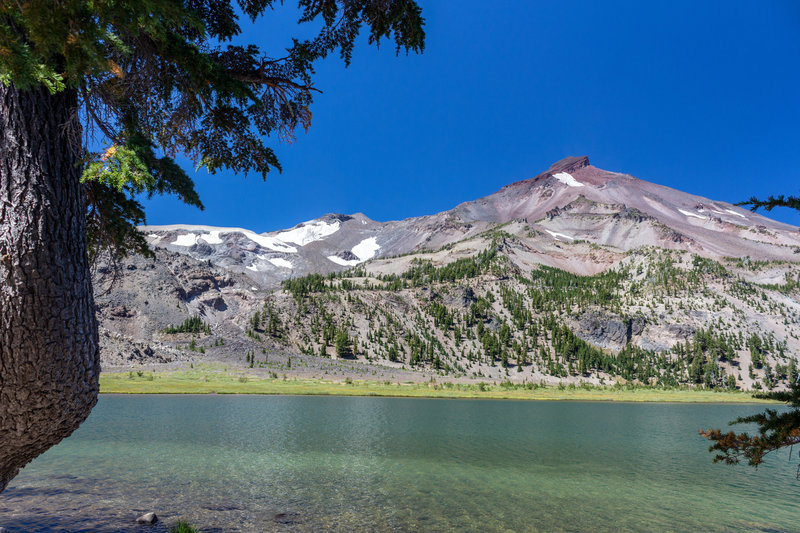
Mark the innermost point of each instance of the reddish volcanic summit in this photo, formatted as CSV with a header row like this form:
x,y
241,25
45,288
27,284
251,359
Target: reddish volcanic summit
x,y
568,164
575,201
575,166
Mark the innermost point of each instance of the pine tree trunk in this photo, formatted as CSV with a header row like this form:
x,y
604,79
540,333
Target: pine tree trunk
x,y
49,364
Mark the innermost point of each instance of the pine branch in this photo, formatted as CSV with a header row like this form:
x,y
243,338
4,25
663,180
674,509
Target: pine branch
x,y
755,204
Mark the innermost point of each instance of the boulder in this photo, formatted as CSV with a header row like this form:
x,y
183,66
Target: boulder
x,y
147,518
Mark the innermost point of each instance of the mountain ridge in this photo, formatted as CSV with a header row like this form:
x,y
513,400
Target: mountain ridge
x,y
627,213
577,274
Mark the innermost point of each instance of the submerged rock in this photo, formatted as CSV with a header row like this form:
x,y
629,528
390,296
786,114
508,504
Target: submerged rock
x,y
147,518
287,518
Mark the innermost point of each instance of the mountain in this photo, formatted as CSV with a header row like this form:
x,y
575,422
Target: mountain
x,y
576,274
571,202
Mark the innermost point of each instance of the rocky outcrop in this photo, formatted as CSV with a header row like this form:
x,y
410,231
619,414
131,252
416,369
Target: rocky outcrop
x,y
569,164
200,280
119,350
140,297
632,214
461,297
608,331
347,255
681,331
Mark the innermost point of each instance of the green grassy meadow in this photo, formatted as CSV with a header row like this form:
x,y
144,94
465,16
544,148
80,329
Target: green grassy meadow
x,y
208,379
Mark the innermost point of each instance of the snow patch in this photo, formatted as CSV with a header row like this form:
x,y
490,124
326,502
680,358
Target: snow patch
x,y
556,235
259,263
269,242
728,212
732,212
567,179
344,262
280,262
212,237
366,249
695,215
187,239
309,232
154,236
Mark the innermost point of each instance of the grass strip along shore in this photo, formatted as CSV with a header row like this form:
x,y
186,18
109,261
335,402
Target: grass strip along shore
x,y
222,380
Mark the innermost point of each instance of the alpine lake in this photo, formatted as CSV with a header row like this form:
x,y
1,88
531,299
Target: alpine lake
x,y
299,463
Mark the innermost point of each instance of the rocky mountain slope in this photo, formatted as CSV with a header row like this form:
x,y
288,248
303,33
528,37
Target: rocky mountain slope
x,y
578,274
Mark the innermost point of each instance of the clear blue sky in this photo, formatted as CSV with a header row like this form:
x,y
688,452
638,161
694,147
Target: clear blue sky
x,y
700,96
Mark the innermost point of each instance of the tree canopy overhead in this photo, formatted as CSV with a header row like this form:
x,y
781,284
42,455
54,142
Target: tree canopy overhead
x,y
159,78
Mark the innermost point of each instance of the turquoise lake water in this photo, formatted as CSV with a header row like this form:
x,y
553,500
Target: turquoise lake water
x,y
266,463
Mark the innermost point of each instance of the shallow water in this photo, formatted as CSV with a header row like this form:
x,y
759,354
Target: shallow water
x,y
265,463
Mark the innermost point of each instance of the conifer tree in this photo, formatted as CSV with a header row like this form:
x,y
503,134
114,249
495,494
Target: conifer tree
x,y
344,344
96,99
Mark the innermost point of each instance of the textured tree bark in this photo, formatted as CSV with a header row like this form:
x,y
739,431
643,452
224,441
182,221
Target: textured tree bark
x,y
49,364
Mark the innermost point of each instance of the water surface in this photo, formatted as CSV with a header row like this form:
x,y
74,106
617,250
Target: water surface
x,y
266,463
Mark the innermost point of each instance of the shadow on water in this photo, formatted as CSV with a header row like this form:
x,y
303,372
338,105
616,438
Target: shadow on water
x,y
31,493
53,523
50,509
46,521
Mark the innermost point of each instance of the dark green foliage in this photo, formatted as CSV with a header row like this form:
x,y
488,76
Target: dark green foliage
x,y
344,344
703,266
551,289
757,349
717,346
469,267
183,527
701,354
161,78
478,311
441,316
776,430
302,287
191,325
271,322
634,363
524,321
491,344
265,321
515,303
772,202
574,349
423,272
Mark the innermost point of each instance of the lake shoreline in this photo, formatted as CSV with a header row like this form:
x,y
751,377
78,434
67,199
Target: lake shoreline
x,y
223,381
